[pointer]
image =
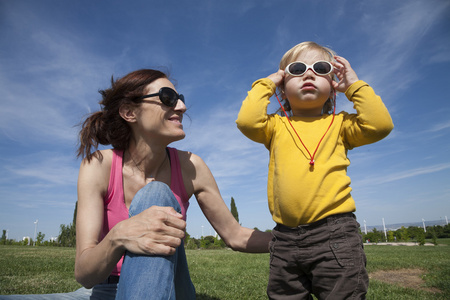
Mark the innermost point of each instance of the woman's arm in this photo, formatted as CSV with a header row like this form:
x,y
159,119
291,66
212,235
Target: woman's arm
x,y
95,259
215,210
157,230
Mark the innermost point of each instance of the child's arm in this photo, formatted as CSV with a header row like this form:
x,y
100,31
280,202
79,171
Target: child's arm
x,y
372,121
253,120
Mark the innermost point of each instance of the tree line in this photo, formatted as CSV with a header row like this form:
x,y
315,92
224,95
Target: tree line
x,y
410,234
67,235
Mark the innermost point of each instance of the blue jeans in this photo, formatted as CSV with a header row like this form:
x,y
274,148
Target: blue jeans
x,y
142,277
80,294
155,277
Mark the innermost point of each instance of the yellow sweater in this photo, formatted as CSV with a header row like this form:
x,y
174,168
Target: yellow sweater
x,y
298,193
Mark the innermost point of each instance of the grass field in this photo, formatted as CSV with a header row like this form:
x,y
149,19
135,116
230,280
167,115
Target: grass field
x,y
397,272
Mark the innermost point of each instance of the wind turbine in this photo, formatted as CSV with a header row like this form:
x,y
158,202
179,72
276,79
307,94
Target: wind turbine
x,y
384,227
35,229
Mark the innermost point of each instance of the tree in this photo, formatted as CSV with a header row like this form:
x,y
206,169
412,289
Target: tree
x,y
207,241
421,237
4,237
67,234
374,236
192,243
40,238
75,214
403,234
415,232
390,236
233,210
219,243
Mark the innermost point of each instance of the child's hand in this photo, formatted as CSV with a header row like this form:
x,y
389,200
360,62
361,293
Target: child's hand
x,y
344,73
277,78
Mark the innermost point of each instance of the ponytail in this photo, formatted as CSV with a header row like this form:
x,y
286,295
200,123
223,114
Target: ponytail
x,y
91,135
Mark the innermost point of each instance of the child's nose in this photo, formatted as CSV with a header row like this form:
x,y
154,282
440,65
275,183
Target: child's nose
x,y
309,73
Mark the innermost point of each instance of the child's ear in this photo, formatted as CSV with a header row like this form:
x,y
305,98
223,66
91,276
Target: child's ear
x,y
127,112
332,92
281,89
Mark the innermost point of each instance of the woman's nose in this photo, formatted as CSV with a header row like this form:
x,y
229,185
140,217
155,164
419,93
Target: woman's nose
x,y
180,106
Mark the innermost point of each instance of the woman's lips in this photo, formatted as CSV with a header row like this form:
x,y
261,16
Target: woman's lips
x,y
175,119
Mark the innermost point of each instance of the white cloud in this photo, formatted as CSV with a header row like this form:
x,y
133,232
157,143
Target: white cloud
x,y
41,169
394,38
439,127
387,178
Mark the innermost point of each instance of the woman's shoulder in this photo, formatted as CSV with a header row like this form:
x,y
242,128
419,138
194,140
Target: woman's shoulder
x,y
94,174
100,160
187,156
189,161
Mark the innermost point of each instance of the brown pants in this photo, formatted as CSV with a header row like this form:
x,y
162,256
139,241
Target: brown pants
x,y
325,258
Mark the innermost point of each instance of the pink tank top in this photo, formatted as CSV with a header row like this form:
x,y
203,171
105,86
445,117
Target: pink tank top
x,y
114,201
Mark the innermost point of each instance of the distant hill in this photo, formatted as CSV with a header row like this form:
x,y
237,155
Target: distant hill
x,y
394,227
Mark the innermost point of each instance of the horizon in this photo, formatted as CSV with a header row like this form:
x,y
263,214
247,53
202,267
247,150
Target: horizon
x,y
428,223
56,56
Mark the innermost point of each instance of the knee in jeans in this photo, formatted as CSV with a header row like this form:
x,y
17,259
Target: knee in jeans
x,y
154,193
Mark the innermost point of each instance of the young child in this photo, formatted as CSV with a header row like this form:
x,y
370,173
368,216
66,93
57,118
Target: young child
x,y
316,247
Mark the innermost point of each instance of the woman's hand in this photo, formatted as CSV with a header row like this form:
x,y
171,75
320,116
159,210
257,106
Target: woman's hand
x,y
155,231
344,73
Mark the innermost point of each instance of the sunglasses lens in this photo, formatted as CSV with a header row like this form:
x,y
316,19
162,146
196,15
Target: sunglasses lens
x,y
168,97
322,67
297,68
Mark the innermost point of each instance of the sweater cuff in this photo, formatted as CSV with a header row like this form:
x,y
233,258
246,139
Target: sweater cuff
x,y
354,88
267,82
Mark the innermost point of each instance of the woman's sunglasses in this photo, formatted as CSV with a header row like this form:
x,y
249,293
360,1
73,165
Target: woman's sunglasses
x,y
299,68
167,96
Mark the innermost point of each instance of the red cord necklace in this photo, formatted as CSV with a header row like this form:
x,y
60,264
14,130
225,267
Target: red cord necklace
x,y
311,162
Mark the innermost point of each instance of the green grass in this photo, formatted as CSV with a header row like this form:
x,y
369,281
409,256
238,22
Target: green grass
x,y
224,274
433,260
36,270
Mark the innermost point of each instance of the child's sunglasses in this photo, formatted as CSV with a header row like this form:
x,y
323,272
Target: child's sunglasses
x,y
167,96
298,68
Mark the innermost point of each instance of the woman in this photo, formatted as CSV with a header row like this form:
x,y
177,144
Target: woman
x,y
141,115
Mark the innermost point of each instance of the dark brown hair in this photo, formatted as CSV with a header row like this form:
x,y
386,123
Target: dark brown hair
x,y
106,127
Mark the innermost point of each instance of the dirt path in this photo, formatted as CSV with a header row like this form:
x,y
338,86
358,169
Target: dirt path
x,y
408,278
397,244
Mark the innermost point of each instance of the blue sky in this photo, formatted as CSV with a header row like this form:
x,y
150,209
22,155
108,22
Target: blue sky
x,y
56,55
